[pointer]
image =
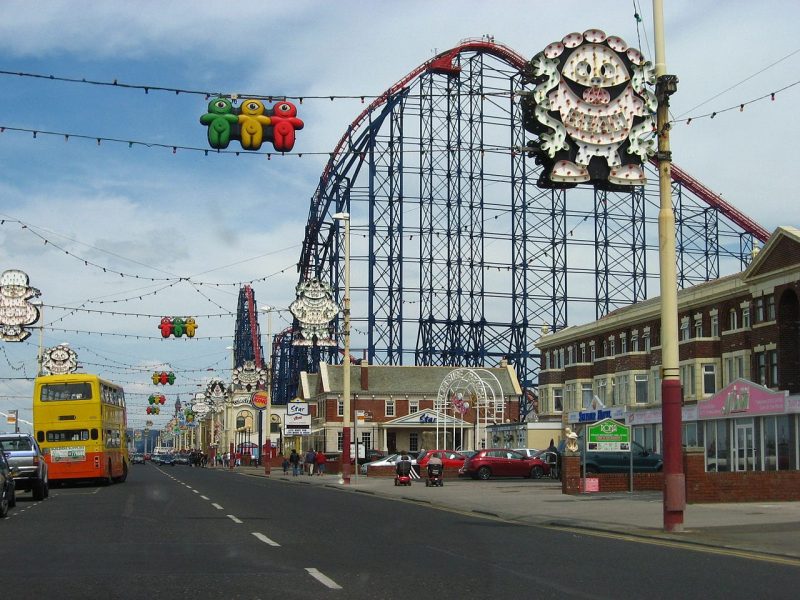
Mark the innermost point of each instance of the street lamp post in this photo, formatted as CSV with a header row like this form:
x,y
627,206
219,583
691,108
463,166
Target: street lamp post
x,y
268,310
674,478
346,469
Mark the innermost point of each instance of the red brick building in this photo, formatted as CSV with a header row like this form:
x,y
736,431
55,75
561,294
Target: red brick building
x,y
739,352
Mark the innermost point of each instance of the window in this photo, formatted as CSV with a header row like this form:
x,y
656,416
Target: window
x,y
746,317
623,344
390,408
641,383
339,442
611,347
569,355
601,390
413,406
687,380
761,368
647,341
758,306
583,353
772,361
340,408
690,439
592,352
569,396
634,343
714,326
709,379
546,360
413,442
366,439
614,390
558,399
771,308
698,328
684,334
716,440
69,435
605,348
621,389
66,391
733,320
586,395
657,384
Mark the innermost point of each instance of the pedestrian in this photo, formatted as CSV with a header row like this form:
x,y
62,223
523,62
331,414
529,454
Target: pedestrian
x,y
294,460
310,459
319,459
285,465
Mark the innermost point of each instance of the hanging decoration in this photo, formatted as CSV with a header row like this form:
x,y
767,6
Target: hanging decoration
x,y
248,377
252,124
314,308
59,360
178,326
163,378
215,390
591,110
155,401
16,313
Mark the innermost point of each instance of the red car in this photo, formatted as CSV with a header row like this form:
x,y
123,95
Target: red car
x,y
502,462
450,458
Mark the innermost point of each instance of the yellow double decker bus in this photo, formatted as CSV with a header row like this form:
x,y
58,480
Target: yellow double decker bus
x,y
80,423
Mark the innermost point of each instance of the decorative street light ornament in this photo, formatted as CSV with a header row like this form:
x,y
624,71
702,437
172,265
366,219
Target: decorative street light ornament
x,y
215,390
163,378
591,110
314,309
248,377
252,124
59,360
177,326
200,407
16,312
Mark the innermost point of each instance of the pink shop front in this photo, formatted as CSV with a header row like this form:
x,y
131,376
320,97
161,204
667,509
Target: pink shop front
x,y
743,427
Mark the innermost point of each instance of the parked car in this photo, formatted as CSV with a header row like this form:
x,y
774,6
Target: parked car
x,y
24,453
164,459
502,462
389,461
644,461
526,451
449,458
137,459
8,498
182,459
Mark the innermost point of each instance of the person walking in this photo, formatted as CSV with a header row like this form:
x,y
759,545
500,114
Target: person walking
x,y
319,460
310,460
294,460
285,465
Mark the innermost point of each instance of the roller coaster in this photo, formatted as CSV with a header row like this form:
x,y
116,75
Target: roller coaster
x,y
458,258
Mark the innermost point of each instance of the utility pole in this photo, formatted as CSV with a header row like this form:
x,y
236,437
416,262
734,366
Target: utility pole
x,y
674,478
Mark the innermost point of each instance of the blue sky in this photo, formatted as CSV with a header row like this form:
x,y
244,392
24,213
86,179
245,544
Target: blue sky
x,y
224,219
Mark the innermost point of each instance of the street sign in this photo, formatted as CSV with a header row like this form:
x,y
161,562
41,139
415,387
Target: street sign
x,y
608,435
259,399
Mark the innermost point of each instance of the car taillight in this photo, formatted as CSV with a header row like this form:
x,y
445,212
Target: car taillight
x,y
35,460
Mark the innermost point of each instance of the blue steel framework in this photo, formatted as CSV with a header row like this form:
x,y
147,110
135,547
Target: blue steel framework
x,y
247,338
457,257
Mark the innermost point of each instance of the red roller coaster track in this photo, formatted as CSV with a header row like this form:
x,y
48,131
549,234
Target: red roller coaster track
x,y
444,63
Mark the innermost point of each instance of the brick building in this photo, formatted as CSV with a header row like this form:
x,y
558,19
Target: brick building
x,y
398,406
739,352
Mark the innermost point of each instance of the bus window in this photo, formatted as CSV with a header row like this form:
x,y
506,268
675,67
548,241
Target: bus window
x,y
68,435
52,392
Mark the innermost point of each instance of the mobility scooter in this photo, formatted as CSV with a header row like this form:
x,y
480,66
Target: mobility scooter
x,y
434,475
403,472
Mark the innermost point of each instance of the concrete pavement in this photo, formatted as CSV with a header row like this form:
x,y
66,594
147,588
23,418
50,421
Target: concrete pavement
x,y
763,530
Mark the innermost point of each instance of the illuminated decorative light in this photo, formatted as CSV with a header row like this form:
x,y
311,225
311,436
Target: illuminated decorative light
x,y
16,313
314,309
59,360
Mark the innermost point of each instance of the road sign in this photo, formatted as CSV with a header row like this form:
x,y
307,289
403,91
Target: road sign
x,y
608,435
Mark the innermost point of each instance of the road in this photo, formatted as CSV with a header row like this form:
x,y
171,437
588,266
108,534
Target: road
x,y
181,532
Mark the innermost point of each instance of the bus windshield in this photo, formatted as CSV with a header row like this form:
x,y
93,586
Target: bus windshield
x,y
66,391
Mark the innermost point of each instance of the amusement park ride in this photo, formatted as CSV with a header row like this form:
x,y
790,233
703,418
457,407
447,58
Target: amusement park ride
x,y
460,256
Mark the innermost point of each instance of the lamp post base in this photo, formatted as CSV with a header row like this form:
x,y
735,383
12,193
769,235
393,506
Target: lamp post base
x,y
347,471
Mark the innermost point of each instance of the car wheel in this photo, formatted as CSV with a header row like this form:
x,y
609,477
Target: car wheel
x,y
537,472
38,489
47,488
4,505
484,473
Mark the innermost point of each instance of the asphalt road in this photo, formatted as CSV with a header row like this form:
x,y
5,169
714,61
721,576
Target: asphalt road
x,y
181,532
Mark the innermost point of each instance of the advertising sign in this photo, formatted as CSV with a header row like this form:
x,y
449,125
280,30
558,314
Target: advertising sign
x,y
297,408
608,435
297,424
68,454
259,399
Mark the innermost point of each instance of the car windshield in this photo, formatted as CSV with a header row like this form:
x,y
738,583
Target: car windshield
x,y
16,444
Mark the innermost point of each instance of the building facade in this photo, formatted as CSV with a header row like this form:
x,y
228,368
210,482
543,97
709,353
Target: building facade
x,y
410,407
739,352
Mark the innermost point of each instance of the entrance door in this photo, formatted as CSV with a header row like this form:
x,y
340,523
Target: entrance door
x,y
743,451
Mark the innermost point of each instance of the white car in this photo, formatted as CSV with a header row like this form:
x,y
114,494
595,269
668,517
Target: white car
x,y
389,461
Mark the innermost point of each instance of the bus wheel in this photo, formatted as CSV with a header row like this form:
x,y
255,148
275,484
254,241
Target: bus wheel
x,y
124,476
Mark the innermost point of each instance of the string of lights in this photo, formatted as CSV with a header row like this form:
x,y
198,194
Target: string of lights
x,y
135,336
130,314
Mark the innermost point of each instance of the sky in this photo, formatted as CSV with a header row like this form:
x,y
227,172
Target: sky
x,y
108,227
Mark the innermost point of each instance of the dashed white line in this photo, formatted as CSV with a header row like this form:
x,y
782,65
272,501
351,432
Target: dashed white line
x,y
195,491
265,539
217,506
204,497
323,579
233,518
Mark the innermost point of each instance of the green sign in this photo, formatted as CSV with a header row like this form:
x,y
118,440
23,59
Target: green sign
x,y
608,435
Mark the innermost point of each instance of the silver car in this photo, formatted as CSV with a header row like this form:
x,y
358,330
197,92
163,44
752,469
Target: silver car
x,y
389,461
24,453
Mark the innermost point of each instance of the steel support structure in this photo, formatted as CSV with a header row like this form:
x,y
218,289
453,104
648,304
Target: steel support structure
x,y
458,258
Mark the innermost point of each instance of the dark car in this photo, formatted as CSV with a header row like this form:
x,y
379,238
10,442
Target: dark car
x,y
137,459
502,462
644,461
8,498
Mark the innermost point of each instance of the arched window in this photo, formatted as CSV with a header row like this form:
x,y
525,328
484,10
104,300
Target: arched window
x,y
244,420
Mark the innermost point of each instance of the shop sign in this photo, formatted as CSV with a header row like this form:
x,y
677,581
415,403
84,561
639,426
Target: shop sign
x,y
590,416
259,399
297,408
652,416
297,431
298,420
608,435
742,397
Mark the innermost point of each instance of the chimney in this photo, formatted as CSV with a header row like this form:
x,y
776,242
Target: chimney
x,y
364,375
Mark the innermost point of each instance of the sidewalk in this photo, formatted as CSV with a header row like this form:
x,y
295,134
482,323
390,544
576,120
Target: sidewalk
x,y
766,528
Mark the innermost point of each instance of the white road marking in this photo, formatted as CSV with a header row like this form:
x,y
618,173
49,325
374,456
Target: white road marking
x,y
204,497
233,518
323,579
195,491
217,506
265,539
